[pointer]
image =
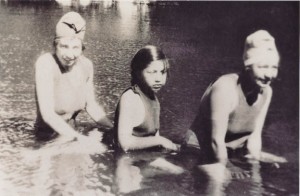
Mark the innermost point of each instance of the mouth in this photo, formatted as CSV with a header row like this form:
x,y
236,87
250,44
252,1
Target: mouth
x,y
156,87
265,81
69,62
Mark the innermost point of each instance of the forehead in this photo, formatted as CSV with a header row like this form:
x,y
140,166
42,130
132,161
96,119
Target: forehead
x,y
72,41
156,65
265,64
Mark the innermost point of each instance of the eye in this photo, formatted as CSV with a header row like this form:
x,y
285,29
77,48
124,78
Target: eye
x,y
263,66
76,47
63,46
151,71
164,71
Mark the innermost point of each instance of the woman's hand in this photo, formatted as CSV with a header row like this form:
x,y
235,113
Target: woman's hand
x,y
268,158
69,136
216,172
90,144
237,172
168,144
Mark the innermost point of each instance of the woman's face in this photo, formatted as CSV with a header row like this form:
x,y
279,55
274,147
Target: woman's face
x,y
68,50
263,74
155,75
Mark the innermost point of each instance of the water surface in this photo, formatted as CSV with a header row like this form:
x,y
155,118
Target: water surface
x,y
203,41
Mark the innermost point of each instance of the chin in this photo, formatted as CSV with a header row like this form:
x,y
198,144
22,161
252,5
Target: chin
x,y
69,65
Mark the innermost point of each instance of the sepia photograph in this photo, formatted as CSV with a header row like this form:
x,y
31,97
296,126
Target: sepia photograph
x,y
149,98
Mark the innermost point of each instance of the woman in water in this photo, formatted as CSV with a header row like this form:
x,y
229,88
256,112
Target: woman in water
x,y
64,83
234,107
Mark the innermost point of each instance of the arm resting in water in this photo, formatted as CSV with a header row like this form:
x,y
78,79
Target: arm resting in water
x,y
132,114
221,103
96,111
44,80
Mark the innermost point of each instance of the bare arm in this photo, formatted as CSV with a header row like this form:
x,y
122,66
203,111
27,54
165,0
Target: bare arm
x,y
221,103
254,143
44,80
96,111
131,114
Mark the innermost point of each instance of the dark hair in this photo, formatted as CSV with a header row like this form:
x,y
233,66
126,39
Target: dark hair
x,y
142,59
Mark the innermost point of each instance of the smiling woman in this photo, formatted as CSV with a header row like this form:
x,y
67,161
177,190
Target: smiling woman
x,y
64,83
234,107
67,51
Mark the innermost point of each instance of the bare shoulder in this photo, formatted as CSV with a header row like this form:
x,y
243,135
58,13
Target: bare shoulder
x,y
44,61
227,80
226,83
45,64
130,99
86,63
132,108
224,92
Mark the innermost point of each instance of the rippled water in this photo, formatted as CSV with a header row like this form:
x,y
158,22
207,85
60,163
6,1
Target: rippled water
x,y
202,39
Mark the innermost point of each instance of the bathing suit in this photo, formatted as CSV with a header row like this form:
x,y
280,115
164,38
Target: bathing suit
x,y
68,98
241,120
150,125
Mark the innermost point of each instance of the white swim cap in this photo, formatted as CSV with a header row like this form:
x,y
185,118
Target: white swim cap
x,y
70,25
260,48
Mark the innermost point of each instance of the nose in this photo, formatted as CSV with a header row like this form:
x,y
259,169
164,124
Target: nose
x,y
69,55
158,77
269,74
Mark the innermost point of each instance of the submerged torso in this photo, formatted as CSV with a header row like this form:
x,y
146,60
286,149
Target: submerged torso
x,y
69,88
242,118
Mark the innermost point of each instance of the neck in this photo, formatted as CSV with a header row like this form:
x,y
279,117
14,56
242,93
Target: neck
x,y
62,68
147,91
250,89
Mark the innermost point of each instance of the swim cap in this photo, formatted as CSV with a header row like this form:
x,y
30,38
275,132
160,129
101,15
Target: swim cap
x,y
260,48
70,25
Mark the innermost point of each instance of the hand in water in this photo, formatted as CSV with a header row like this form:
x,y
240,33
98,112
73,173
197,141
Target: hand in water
x,y
191,139
91,144
106,122
236,172
81,144
163,164
216,172
268,158
168,144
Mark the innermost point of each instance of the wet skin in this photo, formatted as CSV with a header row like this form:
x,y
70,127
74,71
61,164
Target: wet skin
x,y
68,50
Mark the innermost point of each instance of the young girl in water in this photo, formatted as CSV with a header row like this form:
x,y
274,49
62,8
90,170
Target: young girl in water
x,y
137,122
138,111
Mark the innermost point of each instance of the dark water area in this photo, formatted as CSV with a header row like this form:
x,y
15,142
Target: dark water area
x,y
203,40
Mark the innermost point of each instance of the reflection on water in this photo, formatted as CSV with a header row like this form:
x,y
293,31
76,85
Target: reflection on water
x,y
82,3
189,33
55,168
127,26
127,172
218,177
